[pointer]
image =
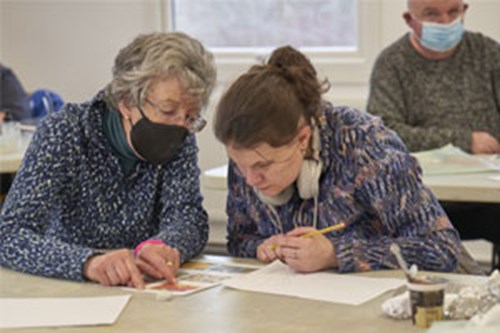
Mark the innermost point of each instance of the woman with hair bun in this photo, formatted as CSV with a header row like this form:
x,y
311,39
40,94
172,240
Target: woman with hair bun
x,y
298,164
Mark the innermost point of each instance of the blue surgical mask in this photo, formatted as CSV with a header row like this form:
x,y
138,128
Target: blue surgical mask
x,y
442,37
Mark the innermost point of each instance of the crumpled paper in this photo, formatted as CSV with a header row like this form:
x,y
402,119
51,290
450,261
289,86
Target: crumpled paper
x,y
476,300
398,307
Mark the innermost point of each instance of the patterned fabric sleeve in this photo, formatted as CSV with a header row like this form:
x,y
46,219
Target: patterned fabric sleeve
x,y
388,185
71,199
27,211
183,222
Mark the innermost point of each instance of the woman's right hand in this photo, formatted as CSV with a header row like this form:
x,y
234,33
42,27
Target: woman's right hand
x,y
115,268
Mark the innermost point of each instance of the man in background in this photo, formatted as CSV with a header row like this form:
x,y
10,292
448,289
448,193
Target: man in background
x,y
437,85
14,102
14,106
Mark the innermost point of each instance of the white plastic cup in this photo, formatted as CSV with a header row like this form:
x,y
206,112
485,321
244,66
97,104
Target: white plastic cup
x,y
10,137
426,300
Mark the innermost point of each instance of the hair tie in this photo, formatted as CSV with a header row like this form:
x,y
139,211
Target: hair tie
x,y
280,65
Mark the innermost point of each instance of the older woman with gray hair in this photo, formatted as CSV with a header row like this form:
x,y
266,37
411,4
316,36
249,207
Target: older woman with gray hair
x,y
117,173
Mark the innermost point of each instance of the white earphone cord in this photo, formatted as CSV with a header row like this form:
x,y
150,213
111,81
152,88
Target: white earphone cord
x,y
275,219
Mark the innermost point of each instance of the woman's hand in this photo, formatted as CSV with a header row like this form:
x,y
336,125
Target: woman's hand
x,y
114,268
266,252
159,261
306,254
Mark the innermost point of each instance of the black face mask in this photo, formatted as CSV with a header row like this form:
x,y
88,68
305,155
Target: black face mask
x,y
156,143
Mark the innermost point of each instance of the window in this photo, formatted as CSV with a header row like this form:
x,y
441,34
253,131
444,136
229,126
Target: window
x,y
339,36
244,25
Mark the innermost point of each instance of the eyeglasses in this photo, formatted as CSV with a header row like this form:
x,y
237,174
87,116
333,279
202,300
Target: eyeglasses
x,y
193,123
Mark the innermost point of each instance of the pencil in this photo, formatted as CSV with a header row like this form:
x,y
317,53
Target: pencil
x,y
335,227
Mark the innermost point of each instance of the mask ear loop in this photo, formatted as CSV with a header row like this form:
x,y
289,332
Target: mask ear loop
x,y
130,122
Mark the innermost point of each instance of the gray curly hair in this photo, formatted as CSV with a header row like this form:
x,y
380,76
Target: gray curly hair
x,y
157,55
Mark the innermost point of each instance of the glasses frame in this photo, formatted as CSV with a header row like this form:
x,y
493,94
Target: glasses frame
x,y
194,124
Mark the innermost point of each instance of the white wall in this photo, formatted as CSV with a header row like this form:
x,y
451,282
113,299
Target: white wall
x,y
69,46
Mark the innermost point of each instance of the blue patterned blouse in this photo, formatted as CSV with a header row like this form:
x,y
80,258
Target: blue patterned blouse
x,y
71,198
368,181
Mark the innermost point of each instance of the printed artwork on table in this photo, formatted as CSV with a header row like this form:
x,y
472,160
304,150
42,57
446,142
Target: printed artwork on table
x,y
194,276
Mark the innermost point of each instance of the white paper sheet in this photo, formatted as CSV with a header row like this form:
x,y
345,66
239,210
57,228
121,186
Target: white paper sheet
x,y
278,278
460,326
449,160
51,312
497,178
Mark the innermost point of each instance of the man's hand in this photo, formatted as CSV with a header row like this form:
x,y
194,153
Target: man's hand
x,y
484,143
114,268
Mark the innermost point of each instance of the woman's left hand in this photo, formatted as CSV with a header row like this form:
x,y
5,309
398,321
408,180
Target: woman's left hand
x,y
306,254
159,261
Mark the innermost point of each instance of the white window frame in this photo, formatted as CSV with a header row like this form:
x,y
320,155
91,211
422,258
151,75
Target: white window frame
x,y
340,67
